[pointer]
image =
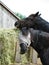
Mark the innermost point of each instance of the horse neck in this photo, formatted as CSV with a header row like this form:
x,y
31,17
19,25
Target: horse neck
x,y
34,35
41,24
34,41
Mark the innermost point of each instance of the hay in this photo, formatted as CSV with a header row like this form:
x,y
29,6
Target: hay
x,y
8,39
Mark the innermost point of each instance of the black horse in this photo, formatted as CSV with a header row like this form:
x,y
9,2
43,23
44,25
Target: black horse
x,y
33,21
37,39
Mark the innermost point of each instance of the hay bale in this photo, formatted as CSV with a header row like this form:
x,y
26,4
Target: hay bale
x,y
8,39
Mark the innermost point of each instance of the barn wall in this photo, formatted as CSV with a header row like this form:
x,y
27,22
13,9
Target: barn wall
x,y
7,20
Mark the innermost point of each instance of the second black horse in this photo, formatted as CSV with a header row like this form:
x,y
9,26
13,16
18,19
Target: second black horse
x,y
33,21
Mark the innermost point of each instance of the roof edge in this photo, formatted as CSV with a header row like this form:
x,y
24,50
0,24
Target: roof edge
x,y
1,3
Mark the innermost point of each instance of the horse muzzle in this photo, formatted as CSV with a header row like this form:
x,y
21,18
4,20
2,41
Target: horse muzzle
x,y
16,24
23,48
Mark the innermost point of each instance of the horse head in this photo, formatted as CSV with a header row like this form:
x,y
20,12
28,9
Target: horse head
x,y
28,21
24,39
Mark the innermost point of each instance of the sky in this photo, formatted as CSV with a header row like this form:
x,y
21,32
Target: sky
x,y
27,7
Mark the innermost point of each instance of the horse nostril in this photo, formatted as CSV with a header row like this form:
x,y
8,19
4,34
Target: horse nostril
x,y
23,46
27,44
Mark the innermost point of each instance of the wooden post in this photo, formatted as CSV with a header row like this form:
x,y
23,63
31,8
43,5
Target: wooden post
x,y
18,56
31,54
34,59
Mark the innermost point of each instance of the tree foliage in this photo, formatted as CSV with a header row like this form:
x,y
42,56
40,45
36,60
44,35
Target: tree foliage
x,y
20,15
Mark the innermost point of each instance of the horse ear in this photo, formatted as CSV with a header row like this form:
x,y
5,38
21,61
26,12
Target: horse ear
x,y
36,14
40,14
